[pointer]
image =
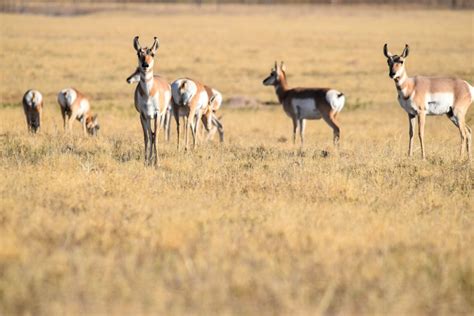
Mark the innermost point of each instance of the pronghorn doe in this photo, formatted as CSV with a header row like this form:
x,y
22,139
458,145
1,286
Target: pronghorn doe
x,y
33,107
165,122
74,105
302,104
152,98
421,96
210,115
195,101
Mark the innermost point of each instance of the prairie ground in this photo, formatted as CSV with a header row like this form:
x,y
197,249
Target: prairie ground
x,y
254,226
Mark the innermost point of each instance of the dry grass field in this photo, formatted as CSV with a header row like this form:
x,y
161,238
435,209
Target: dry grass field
x,y
255,226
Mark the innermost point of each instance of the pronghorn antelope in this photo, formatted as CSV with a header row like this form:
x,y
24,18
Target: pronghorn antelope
x,y
302,104
152,98
193,101
421,96
33,107
165,122
210,115
74,105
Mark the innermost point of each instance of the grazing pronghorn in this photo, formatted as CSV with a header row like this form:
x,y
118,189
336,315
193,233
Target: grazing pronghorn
x,y
302,104
191,101
74,105
33,107
210,114
152,98
165,122
421,96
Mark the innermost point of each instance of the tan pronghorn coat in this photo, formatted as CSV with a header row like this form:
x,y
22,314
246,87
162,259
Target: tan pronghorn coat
x,y
152,98
74,105
33,108
302,104
191,101
166,118
420,96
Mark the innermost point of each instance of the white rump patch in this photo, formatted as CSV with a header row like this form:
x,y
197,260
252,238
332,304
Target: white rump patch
x,y
305,109
335,101
67,97
439,103
33,98
183,98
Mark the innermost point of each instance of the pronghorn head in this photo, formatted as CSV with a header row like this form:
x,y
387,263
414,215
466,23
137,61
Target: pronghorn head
x,y
135,77
396,63
92,125
276,75
146,55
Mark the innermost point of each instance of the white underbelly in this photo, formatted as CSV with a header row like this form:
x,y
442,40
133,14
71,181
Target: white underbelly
x,y
438,103
305,109
149,106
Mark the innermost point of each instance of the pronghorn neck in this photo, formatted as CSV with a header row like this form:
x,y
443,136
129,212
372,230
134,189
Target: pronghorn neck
x,y
146,81
280,88
404,85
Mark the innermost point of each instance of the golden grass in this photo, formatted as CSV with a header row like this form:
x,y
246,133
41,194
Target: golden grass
x,y
254,226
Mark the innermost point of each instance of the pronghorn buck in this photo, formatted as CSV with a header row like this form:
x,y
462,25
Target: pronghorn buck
x,y
191,100
33,107
74,105
165,122
420,96
152,98
302,104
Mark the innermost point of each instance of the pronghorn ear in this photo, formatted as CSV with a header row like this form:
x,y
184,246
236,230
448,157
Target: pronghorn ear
x,y
136,44
94,118
276,65
386,52
155,45
283,67
406,51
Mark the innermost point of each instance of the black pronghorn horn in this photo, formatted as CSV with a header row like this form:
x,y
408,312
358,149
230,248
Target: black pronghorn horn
x,y
155,45
136,44
386,52
405,51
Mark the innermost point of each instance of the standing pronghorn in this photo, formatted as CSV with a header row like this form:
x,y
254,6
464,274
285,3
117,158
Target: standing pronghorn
x,y
33,107
421,96
166,119
152,98
302,104
74,105
190,100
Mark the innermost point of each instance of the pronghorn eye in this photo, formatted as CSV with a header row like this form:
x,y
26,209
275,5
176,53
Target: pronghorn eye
x,y
401,62
152,55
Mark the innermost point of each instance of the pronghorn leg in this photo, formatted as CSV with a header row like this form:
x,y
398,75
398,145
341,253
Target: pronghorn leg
x,y
186,128
330,120
469,141
84,128
302,126
168,125
146,137
154,138
176,118
421,132
463,132
411,132
295,127
71,121
63,113
220,128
